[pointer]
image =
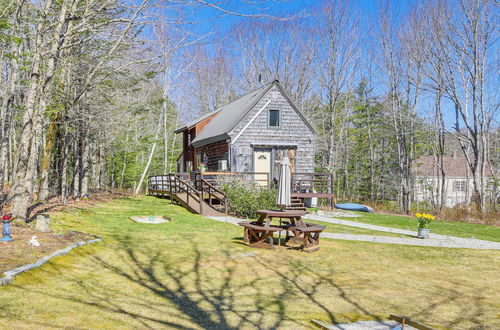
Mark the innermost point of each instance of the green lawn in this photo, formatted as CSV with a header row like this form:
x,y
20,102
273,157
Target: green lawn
x,y
341,229
454,228
195,273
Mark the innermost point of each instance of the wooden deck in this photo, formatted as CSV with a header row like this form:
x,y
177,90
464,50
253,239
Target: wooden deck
x,y
200,192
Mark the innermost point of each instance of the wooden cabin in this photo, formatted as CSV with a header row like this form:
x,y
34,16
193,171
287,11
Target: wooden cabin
x,y
250,134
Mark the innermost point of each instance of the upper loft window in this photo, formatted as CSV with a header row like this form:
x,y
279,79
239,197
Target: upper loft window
x,y
274,118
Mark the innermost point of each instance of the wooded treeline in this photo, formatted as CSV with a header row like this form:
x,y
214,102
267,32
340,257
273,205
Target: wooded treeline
x,y
92,90
382,89
79,100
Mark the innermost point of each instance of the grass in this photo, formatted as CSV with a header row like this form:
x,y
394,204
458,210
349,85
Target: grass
x,y
453,228
195,273
335,228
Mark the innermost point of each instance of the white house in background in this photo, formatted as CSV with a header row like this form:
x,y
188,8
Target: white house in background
x,y
457,176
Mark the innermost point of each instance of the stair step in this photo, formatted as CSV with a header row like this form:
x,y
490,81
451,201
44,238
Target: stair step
x,y
301,208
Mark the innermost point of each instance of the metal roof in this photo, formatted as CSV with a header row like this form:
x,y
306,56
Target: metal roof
x,y
196,121
231,114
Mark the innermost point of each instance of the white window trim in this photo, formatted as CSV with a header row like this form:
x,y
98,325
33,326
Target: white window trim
x,y
269,118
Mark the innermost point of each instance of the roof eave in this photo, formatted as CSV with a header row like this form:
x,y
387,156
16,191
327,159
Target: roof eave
x,y
196,121
180,130
211,139
295,107
264,92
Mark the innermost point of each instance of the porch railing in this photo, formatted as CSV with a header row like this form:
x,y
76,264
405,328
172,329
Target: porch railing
x,y
198,190
218,179
174,184
313,183
206,186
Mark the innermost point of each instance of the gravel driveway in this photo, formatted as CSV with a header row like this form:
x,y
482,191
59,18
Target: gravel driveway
x,y
434,240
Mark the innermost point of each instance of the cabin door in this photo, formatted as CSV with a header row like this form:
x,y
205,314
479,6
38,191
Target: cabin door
x,y
262,165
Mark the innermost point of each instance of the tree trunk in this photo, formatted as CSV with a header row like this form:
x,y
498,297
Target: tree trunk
x,y
84,191
151,154
38,86
76,168
47,156
64,169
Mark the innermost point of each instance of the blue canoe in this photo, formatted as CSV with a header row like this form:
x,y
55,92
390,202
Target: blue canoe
x,y
353,207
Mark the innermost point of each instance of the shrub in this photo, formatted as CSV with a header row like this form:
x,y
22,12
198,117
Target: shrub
x,y
245,199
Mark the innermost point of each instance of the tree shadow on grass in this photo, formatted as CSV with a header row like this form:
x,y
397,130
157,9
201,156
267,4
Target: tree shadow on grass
x,y
158,291
209,295
471,312
209,291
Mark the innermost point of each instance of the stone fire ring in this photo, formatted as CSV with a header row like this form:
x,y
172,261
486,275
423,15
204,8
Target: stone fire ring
x,y
153,219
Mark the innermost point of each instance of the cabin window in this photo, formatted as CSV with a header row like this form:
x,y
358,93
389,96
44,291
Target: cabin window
x,y
460,186
274,118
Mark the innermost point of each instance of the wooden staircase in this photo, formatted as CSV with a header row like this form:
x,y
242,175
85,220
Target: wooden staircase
x,y
199,196
297,204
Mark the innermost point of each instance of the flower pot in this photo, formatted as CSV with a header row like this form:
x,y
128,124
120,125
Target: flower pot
x,y
423,232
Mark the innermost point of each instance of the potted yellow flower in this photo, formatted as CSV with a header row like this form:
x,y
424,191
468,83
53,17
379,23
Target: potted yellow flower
x,y
423,220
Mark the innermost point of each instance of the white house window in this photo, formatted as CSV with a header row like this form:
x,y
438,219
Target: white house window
x,y
460,185
274,118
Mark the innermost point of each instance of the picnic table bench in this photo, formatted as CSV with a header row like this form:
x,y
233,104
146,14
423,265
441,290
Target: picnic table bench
x,y
307,235
256,233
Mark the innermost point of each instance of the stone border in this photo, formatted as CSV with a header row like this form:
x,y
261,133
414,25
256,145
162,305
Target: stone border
x,y
10,274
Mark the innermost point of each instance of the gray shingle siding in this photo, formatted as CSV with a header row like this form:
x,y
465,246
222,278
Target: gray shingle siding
x,y
293,131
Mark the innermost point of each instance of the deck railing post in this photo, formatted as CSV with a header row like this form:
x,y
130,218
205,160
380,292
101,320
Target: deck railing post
x,y
169,177
210,195
331,187
200,197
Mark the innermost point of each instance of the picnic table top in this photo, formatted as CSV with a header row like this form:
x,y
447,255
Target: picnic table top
x,y
309,227
281,214
253,225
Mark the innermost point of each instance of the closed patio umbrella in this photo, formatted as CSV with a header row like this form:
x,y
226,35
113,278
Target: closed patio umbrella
x,y
284,197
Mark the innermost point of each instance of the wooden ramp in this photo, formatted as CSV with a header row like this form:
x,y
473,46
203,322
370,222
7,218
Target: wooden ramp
x,y
199,197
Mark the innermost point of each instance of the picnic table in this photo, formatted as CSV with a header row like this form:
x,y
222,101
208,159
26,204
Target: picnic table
x,y
257,233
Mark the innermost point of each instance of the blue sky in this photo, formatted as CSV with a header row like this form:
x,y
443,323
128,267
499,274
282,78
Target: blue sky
x,y
212,20
213,24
